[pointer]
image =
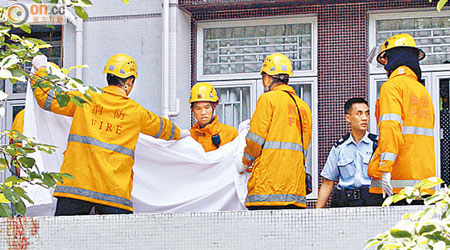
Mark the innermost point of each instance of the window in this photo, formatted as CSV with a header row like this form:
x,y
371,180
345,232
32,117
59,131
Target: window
x,y
230,56
16,92
431,30
233,105
238,48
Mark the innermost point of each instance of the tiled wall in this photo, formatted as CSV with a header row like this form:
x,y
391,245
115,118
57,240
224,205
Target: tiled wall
x,y
342,48
338,229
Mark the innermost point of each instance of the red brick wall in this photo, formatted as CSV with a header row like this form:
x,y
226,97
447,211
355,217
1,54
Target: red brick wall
x,y
342,50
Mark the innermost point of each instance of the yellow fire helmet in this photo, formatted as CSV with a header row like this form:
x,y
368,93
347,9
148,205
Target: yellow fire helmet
x,y
398,41
121,65
276,64
203,91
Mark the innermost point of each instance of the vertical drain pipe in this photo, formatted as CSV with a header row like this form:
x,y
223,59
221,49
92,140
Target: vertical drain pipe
x,y
165,44
78,23
173,100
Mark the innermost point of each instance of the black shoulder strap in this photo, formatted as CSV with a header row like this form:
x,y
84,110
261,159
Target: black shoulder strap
x,y
374,139
301,126
341,140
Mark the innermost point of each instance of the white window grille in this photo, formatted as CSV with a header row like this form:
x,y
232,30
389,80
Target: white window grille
x,y
238,48
234,106
431,30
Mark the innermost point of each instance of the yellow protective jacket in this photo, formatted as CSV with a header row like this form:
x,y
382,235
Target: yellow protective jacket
x,y
101,143
18,121
204,135
405,117
275,149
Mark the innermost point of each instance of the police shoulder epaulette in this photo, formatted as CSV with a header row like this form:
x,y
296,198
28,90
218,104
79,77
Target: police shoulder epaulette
x,y
342,140
373,137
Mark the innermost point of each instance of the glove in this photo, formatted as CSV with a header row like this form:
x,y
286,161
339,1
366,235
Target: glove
x,y
241,167
386,184
184,133
245,125
39,61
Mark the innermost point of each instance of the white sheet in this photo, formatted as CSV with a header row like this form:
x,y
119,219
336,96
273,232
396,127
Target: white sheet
x,y
169,176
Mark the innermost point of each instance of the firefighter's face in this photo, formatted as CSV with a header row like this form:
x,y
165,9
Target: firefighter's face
x,y
358,117
203,112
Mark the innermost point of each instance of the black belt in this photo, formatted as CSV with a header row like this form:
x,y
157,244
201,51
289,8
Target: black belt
x,y
354,194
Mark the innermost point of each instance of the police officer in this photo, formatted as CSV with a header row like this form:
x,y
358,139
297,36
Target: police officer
x,y
348,160
405,116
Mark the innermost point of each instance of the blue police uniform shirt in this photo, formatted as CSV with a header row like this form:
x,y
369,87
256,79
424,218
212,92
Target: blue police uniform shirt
x,y
348,163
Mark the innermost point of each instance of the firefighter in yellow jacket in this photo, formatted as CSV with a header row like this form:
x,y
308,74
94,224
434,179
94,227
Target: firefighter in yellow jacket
x,y
277,142
208,131
103,135
405,116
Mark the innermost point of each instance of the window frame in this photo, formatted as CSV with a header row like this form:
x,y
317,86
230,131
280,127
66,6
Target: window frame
x,y
404,14
314,137
238,84
312,19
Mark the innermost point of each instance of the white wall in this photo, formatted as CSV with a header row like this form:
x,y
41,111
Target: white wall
x,y
336,228
134,29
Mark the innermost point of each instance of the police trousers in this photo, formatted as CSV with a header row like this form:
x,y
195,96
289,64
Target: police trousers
x,y
354,198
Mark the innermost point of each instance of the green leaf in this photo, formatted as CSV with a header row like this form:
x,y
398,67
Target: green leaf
x,y
12,179
86,2
429,183
399,233
3,161
87,96
57,177
26,162
65,175
428,228
34,175
371,243
11,195
77,101
26,28
23,194
20,207
441,4
48,180
81,12
432,199
62,99
37,1
5,210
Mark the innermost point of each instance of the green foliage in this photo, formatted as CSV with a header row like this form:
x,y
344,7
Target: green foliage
x,y
426,229
17,51
440,4
14,156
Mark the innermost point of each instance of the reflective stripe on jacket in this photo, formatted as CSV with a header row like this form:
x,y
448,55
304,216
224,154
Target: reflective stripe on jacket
x,y
405,117
204,135
101,143
275,149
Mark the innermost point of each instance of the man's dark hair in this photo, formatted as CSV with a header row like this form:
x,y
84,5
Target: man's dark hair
x,y
349,104
115,80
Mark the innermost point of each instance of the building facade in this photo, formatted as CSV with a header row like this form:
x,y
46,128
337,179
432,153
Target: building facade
x,y
225,41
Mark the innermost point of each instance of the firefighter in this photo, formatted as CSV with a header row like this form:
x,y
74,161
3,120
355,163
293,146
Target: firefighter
x,y
405,116
103,135
18,126
277,142
208,131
